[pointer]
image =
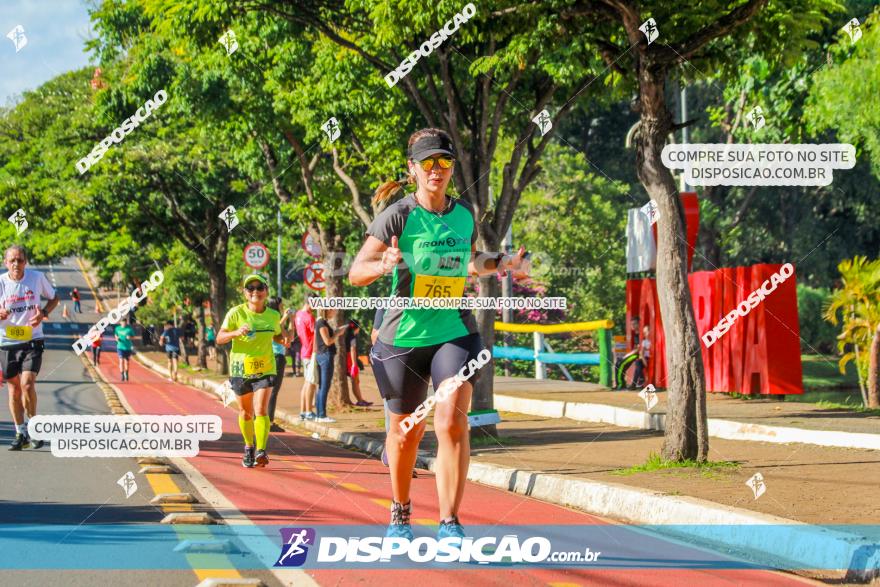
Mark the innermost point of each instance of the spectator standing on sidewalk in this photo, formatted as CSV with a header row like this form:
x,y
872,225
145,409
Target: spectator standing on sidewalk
x,y
326,339
353,363
639,378
280,352
305,332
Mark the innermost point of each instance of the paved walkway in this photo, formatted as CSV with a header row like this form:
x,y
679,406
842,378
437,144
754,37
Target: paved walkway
x,y
769,412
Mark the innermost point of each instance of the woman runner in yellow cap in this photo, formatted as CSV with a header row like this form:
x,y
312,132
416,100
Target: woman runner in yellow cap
x,y
252,327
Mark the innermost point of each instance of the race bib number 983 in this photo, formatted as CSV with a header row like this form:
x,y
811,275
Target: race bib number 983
x,y
19,332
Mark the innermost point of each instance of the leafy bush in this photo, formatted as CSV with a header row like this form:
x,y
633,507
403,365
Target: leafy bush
x,y
817,334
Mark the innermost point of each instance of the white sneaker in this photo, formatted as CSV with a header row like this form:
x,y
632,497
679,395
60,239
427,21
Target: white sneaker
x,y
327,420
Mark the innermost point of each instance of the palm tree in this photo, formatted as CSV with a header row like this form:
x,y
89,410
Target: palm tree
x,y
858,303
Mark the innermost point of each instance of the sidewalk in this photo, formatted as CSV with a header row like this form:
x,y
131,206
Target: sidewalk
x,y
806,483
767,412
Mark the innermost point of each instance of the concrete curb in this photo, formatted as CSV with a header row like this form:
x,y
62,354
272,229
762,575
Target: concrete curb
x,y
693,519
727,429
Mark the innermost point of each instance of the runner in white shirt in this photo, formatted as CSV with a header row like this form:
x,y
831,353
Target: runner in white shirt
x,y
21,337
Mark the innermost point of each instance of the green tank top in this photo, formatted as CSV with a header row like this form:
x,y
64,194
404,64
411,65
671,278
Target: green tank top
x,y
436,250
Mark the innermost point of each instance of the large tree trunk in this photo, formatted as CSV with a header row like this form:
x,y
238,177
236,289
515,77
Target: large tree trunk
x,y
483,396
686,434
203,348
217,275
874,371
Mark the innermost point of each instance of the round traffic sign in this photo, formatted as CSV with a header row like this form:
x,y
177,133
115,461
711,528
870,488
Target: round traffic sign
x,y
313,276
311,246
256,255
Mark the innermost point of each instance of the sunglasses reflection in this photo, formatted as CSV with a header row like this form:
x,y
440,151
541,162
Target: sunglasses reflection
x,y
442,162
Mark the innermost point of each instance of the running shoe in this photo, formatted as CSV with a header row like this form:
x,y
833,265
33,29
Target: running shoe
x,y
248,459
311,416
302,416
275,428
363,403
37,443
400,526
262,458
21,441
325,420
450,529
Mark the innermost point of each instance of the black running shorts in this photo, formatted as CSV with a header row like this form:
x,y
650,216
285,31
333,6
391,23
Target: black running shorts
x,y
242,386
15,358
402,372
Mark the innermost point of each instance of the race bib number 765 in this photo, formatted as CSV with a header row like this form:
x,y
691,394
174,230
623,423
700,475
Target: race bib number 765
x,y
435,286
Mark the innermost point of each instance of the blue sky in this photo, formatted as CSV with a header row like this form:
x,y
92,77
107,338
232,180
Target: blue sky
x,y
56,32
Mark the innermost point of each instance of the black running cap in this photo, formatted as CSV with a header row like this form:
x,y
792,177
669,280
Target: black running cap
x,y
430,145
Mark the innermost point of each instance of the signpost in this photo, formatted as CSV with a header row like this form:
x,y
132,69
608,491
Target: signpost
x,y
256,255
313,276
311,246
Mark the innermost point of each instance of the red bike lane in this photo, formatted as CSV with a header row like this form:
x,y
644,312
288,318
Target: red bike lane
x,y
313,483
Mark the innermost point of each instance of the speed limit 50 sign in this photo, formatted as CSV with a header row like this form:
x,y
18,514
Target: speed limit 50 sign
x,y
256,255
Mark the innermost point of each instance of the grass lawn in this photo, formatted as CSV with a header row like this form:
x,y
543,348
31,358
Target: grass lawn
x,y
821,372
655,462
825,385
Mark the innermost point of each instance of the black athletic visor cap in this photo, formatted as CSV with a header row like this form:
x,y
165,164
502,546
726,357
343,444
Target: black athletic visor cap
x,y
430,145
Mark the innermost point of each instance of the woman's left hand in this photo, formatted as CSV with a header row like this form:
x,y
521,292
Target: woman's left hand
x,y
518,265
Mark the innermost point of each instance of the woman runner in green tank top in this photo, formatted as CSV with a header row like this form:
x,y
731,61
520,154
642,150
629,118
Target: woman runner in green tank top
x,y
427,241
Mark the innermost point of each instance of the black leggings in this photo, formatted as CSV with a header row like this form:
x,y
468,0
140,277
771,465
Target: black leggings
x,y
402,372
280,363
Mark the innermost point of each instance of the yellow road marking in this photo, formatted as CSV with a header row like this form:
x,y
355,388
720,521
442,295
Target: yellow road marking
x,y
385,503
353,487
326,475
204,565
164,484
82,268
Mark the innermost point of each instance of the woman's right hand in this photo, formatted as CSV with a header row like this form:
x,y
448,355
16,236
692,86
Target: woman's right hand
x,y
391,257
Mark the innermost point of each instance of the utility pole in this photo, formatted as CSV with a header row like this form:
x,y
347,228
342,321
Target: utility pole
x,y
507,292
684,131
278,253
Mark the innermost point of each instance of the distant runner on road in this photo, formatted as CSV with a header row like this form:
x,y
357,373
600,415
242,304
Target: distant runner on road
x,y
21,337
124,333
252,327
170,338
